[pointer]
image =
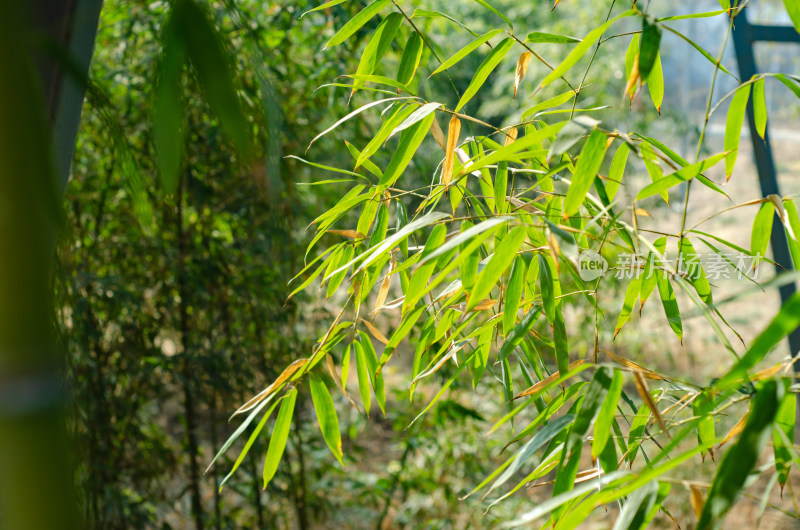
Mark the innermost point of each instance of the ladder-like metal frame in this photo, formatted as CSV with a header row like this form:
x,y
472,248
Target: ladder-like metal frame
x,y
745,35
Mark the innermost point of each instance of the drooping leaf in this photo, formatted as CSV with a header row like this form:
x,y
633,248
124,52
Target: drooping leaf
x,y
617,170
410,139
513,295
759,107
486,67
377,46
326,416
280,433
733,126
488,6
363,376
522,68
453,132
694,270
648,47
585,171
167,113
670,304
631,294
783,435
606,414
794,13
762,229
409,62
740,459
538,37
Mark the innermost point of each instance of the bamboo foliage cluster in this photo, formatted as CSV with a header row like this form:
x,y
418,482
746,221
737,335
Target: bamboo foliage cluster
x,y
484,260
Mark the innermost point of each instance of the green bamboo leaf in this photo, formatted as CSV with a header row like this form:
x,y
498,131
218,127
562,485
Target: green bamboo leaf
x,y
546,287
585,171
637,508
735,466
520,331
694,270
793,8
395,120
486,67
485,4
501,187
733,126
428,13
409,62
501,259
762,229
548,104
203,46
352,114
655,83
606,415
648,47
700,49
561,342
787,319
542,436
418,115
794,222
466,50
345,366
326,416
371,357
617,170
326,5
573,445
649,277
355,23
705,14
789,82
363,376
336,279
376,47
423,273
410,139
580,50
670,304
513,295
759,107
783,434
251,440
631,294
508,386
167,113
280,433
538,37
653,167
661,185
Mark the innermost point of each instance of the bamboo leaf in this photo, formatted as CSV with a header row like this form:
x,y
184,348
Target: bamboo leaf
x,y
760,107
355,23
280,433
631,294
513,295
580,50
409,62
485,4
694,270
740,459
762,229
167,114
520,331
538,37
501,259
522,68
794,13
670,304
733,127
605,417
783,435
617,170
486,67
648,47
466,50
363,376
326,416
585,171
453,132
410,139
655,83
661,185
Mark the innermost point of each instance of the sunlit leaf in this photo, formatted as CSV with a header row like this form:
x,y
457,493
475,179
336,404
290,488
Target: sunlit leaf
x,y
513,295
501,259
733,126
355,23
585,171
466,50
409,62
762,229
280,434
453,132
486,67
326,416
759,107
522,68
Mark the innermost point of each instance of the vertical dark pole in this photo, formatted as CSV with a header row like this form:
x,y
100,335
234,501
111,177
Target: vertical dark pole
x,y
743,39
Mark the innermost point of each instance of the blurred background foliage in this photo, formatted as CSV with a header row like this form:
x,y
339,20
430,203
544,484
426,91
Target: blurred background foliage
x,y
174,310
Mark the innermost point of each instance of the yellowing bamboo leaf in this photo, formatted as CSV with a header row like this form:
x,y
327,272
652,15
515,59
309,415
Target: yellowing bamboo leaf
x,y
485,304
352,234
644,392
375,332
735,430
285,375
635,367
511,136
384,290
522,67
696,500
453,132
438,135
548,380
